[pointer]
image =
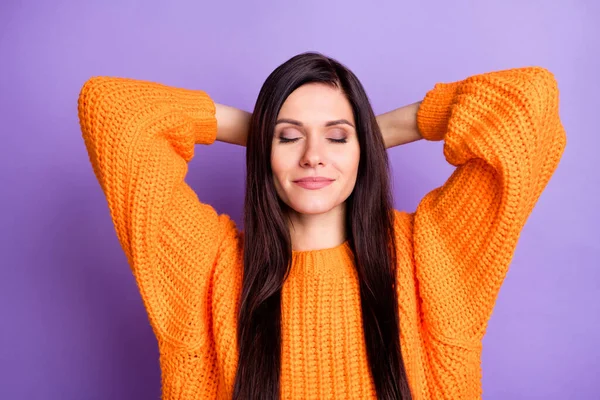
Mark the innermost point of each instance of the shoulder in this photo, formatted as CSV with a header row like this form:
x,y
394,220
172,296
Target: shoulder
x,y
403,223
403,231
227,272
230,237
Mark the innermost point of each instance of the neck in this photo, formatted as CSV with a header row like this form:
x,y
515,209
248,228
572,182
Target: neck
x,y
318,231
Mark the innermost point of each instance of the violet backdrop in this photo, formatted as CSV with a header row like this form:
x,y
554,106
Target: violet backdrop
x,y
72,322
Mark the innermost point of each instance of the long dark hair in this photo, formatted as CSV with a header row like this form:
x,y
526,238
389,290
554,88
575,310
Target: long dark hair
x,y
268,248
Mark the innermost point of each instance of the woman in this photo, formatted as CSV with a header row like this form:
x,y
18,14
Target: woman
x,y
329,292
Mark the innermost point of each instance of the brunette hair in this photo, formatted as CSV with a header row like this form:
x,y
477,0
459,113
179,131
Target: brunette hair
x,y
268,248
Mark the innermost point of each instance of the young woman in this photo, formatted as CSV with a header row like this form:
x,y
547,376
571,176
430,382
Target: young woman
x,y
329,292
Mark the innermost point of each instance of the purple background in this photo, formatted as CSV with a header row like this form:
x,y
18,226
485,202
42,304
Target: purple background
x,y
72,322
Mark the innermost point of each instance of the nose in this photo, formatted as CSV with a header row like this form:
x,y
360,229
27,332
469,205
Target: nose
x,y
312,156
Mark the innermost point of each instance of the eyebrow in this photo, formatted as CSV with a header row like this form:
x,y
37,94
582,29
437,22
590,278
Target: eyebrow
x,y
328,123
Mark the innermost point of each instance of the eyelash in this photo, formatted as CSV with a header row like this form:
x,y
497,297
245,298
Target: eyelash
x,y
285,140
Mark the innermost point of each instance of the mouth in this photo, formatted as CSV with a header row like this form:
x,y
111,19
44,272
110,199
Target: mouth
x,y
314,183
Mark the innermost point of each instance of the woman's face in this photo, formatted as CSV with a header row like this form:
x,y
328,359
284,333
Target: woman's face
x,y
315,136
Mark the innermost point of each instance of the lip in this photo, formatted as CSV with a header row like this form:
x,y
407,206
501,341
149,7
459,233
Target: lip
x,y
313,183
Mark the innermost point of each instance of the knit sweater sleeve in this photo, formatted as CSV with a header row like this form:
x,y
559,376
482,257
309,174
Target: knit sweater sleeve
x,y
140,137
503,133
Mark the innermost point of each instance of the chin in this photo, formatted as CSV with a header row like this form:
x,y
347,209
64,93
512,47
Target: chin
x,y
309,208
312,211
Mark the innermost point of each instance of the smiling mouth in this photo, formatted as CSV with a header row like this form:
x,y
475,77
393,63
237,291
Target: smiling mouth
x,y
313,184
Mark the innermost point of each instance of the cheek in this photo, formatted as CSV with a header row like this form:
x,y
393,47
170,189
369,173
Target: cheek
x,y
348,161
281,163
276,163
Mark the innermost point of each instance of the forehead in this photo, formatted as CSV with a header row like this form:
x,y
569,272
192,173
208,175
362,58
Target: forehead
x,y
315,103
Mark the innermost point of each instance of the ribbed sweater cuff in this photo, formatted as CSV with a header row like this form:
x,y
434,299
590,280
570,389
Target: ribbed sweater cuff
x,y
435,109
206,125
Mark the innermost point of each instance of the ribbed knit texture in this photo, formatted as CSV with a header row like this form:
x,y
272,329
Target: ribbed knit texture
x,y
502,132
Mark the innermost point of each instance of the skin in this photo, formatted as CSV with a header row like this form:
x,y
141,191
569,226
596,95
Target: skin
x,y
317,216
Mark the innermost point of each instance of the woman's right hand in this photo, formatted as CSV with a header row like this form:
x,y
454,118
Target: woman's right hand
x,y
232,124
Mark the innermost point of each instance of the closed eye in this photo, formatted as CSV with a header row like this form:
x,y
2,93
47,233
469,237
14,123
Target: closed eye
x,y
286,140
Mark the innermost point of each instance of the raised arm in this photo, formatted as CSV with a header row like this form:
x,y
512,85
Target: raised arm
x,y
399,126
140,137
503,133
233,124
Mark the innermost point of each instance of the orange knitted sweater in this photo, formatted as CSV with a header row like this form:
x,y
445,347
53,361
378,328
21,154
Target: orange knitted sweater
x,y
502,132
